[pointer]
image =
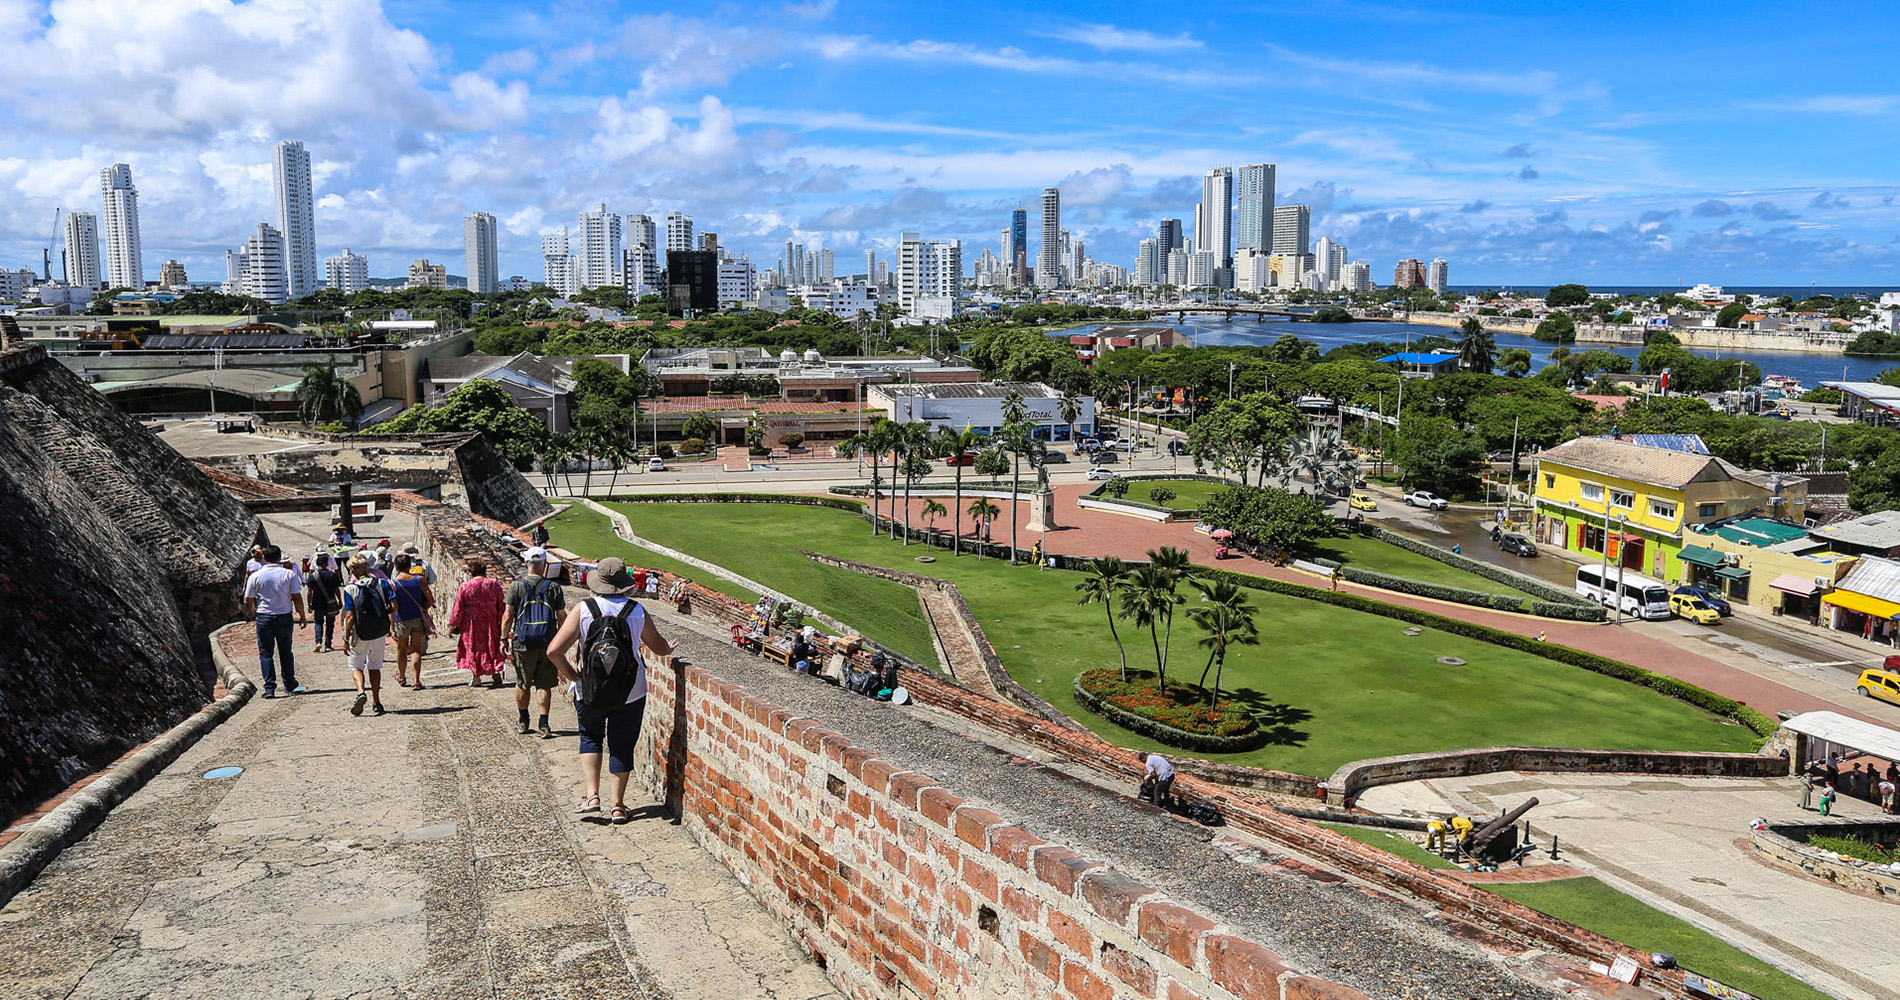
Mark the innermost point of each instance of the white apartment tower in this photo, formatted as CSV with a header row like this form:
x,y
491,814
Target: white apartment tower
x,y
1290,224
347,272
1253,216
82,250
1213,217
640,269
1177,268
1329,262
827,267
640,231
556,263
1437,275
125,263
266,275
482,252
599,261
1146,268
679,231
930,276
1358,277
870,267
1201,271
1049,255
172,275
423,274
296,218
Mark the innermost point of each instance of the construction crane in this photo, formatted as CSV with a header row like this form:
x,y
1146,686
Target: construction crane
x,y
46,255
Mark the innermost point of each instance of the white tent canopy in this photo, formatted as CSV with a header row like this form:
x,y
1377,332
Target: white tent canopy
x,y
1846,733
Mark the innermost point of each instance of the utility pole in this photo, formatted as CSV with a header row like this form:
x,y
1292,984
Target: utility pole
x,y
1511,480
1621,562
1603,575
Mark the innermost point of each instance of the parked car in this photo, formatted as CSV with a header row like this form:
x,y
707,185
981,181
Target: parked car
x,y
656,464
1710,598
1516,544
1089,444
1106,456
1693,608
965,459
1176,446
1362,501
1882,684
1100,473
1426,499
1054,457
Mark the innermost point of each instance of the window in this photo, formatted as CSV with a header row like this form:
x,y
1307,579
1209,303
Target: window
x,y
1591,492
1664,509
1622,498
1550,481
1707,509
1590,538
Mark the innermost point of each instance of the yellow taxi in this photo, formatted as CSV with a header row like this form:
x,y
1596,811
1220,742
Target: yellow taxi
x,y
1882,684
1362,501
1693,608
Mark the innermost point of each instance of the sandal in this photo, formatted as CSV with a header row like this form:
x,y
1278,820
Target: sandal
x,y
590,804
621,815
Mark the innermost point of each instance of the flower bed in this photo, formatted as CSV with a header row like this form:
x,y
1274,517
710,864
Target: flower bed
x,y
1178,718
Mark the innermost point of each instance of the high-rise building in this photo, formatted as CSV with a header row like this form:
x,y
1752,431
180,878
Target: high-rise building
x,y
125,263
738,282
1200,269
1213,218
1168,236
883,274
1358,277
233,272
1146,266
929,277
827,267
1177,268
1016,255
1410,273
82,250
14,283
1252,271
1253,214
1290,224
1329,262
692,280
266,275
679,231
1049,255
172,275
346,272
870,267
1078,261
640,269
1437,275
640,229
709,242
423,274
482,252
296,218
598,259
557,263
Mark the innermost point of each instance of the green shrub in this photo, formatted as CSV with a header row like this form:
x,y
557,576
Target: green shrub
x,y
664,450
758,451
692,446
792,440
1852,847
333,427
1116,488
1422,588
1160,495
1178,718
1529,585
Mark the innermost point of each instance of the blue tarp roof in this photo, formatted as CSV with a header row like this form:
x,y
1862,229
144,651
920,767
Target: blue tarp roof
x,y
1415,358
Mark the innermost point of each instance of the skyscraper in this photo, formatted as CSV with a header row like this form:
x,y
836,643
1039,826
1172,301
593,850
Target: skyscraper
x,y
1168,237
679,231
125,263
1330,262
1049,255
827,267
265,274
1290,223
1410,273
1016,255
483,253
640,269
1437,275
599,259
640,230
929,277
870,267
82,250
346,272
1147,264
1254,214
556,263
1213,218
296,218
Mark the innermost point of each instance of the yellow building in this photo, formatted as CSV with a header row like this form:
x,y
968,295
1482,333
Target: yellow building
x,y
1632,498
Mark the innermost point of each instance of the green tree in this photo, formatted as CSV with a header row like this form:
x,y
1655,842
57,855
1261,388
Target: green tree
x,y
700,425
1269,517
933,509
1476,349
1875,486
1015,437
1148,599
1244,433
1160,495
1178,566
1558,327
1515,362
954,445
1730,315
982,512
323,395
1567,295
1435,452
916,444
1069,408
1105,578
1228,619
481,405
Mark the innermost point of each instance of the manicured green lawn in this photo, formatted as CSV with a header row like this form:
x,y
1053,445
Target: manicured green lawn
x,y
1190,493
1391,842
1380,557
887,612
1594,906
1331,684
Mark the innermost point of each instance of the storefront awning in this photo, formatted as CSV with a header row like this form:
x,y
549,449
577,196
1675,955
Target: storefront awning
x,y
1863,604
1792,583
1732,573
1705,558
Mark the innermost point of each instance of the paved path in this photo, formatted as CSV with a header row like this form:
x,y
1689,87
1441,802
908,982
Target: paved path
x,y
1679,845
427,853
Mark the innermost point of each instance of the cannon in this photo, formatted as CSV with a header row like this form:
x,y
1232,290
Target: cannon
x,y
1496,841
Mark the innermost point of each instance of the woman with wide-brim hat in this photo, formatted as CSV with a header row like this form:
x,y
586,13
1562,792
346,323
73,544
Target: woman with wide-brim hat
x,y
613,727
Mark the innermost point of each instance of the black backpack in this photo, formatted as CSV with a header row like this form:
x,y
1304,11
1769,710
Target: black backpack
x,y
372,610
534,623
610,656
1204,813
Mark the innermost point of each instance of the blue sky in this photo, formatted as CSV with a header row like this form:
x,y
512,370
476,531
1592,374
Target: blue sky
x,y
1528,143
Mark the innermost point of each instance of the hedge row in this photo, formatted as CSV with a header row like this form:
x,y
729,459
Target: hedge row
x,y
854,506
1174,511
1702,698
1436,591
1530,585
1163,733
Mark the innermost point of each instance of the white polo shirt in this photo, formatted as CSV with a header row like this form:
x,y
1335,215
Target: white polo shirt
x,y
272,588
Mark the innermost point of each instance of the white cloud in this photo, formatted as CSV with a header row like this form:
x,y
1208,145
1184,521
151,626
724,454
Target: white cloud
x,y
1109,38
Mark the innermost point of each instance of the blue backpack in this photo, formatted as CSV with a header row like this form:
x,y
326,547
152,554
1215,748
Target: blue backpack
x,y
534,625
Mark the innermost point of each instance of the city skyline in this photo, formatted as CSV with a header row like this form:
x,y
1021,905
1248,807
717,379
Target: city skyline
x,y
1638,163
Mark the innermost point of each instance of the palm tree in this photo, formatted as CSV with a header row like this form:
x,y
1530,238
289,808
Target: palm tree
x,y
323,395
866,443
914,441
1228,620
1178,565
1105,577
1476,351
1150,598
955,444
932,511
982,511
885,438
1070,408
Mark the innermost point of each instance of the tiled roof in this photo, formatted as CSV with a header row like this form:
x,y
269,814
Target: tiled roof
x,y
1659,466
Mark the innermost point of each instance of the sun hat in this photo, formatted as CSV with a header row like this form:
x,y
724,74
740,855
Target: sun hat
x,y
611,579
410,547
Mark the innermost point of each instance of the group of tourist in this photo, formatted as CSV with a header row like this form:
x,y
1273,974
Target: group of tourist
x,y
376,596
1863,781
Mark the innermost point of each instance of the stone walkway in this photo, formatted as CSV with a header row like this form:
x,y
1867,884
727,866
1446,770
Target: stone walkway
x,y
431,852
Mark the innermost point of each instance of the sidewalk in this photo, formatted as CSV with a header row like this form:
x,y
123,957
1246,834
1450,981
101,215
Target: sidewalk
x,y
431,852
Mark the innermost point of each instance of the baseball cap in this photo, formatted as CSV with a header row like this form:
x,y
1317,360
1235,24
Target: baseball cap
x,y
536,554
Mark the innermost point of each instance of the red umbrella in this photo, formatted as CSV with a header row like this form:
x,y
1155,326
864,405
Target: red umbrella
x,y
1220,533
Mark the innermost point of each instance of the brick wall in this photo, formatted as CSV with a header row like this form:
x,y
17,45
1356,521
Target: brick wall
x,y
1351,779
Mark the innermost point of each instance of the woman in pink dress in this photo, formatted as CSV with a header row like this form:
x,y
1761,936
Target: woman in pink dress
x,y
476,624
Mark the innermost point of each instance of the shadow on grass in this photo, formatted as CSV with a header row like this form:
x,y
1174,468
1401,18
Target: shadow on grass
x,y
1276,719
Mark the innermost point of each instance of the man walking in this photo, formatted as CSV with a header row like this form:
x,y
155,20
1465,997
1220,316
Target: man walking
x,y
536,607
366,618
325,588
270,595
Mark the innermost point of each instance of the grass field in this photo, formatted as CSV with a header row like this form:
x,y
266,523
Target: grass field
x,y
1381,557
1391,842
1592,905
1331,685
1190,493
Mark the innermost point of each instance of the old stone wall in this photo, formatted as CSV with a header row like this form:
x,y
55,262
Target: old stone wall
x,y
119,554
1785,844
1351,779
